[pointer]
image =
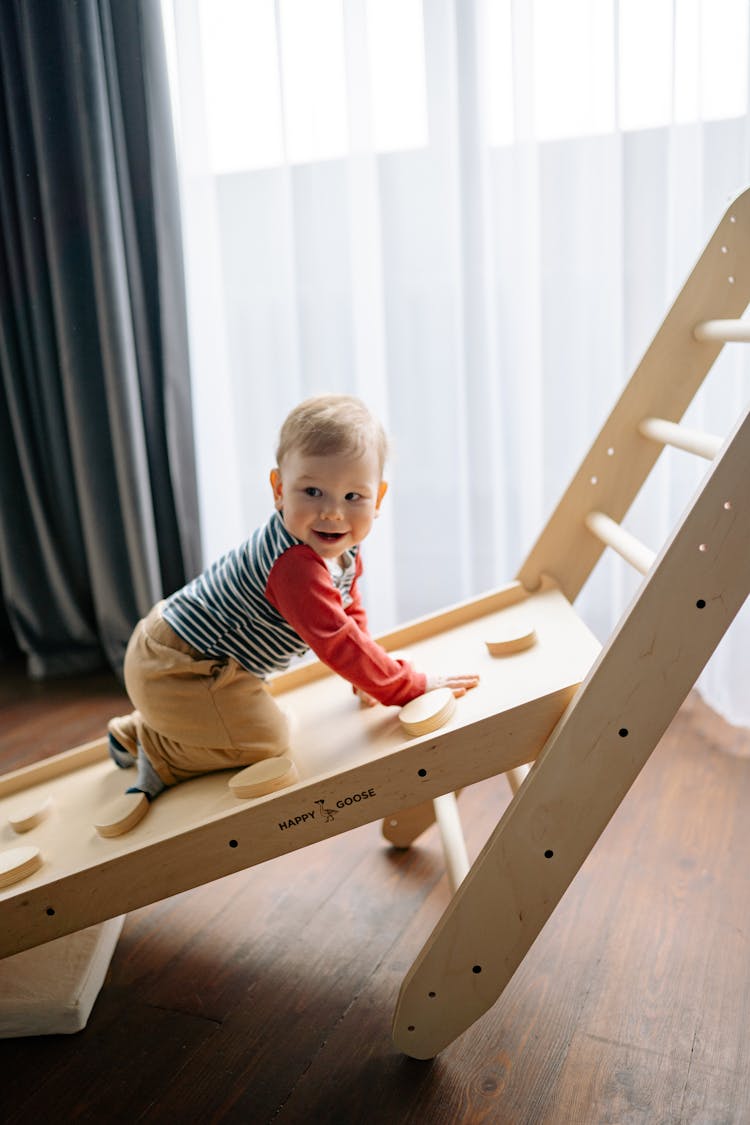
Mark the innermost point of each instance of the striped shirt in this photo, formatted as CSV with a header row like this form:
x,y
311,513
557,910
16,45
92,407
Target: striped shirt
x,y
225,611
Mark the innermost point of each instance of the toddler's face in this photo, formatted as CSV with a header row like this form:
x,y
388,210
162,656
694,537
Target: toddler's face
x,y
328,502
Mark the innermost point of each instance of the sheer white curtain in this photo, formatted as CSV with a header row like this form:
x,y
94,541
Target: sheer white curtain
x,y
474,214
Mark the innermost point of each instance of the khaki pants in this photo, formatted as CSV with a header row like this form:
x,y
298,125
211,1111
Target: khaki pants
x,y
196,714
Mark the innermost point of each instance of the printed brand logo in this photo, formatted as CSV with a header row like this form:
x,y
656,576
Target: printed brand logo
x,y
322,814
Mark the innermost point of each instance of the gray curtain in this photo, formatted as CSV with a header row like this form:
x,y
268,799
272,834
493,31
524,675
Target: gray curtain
x,y
98,498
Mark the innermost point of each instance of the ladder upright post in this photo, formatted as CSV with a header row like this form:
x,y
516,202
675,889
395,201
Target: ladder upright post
x,y
683,608
662,386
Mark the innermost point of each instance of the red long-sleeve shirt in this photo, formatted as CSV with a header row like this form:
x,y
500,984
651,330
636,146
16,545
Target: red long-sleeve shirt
x,y
273,598
300,587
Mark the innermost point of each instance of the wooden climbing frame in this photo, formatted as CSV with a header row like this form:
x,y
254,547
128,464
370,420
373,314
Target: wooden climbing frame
x,y
588,718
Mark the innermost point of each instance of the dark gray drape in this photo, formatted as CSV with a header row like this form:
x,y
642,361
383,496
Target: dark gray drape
x,y
98,500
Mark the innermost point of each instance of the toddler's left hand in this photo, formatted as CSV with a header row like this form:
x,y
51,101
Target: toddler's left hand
x,y
459,683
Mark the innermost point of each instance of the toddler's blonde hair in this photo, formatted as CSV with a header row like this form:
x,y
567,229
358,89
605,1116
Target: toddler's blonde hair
x,y
332,423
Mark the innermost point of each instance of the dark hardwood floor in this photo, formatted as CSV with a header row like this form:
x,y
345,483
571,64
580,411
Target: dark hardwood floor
x,y
267,996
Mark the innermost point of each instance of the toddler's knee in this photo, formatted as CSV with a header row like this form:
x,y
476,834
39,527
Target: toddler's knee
x,y
285,731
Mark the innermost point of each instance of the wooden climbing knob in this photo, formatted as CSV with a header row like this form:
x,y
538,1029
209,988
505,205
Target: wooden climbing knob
x,y
264,777
514,638
17,863
121,815
31,812
428,712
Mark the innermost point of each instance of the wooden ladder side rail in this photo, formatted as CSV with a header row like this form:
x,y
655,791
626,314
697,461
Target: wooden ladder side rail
x,y
662,386
632,440
588,764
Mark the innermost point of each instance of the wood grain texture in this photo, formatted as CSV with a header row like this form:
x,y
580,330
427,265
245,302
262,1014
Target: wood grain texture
x,y
267,996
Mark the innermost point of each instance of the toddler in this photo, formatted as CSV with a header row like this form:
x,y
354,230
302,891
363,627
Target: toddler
x,y
195,667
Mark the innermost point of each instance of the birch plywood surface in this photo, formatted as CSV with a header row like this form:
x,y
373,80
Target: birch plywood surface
x,y
199,831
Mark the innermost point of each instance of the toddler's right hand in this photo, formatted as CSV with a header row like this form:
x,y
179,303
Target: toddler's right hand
x,y
364,697
458,683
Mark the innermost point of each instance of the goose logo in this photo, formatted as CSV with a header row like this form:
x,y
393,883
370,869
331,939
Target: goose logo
x,y
320,814
324,815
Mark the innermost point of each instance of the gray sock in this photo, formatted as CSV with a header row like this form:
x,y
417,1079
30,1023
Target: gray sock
x,y
119,754
148,780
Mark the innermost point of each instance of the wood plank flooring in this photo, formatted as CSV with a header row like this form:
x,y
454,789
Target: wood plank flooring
x,y
267,996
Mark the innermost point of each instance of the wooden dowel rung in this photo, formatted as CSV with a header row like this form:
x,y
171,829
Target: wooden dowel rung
x,y
723,331
516,778
452,837
692,441
620,540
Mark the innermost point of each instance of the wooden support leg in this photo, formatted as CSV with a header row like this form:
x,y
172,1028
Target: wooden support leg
x,y
407,825
517,777
587,766
452,837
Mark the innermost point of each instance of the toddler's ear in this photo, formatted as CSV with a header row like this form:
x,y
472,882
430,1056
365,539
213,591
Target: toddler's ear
x,y
275,478
382,489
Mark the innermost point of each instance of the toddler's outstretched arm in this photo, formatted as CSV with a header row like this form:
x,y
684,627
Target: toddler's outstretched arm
x,y
459,684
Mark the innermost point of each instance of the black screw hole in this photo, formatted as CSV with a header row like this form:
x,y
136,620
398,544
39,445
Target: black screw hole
x,y
422,773
432,995
623,732
233,844
549,853
701,603
410,1027
50,911
477,969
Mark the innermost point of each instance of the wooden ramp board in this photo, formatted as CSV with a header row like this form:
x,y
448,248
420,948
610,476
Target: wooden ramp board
x,y
355,765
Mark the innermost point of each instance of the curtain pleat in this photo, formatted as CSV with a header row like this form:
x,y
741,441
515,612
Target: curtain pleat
x,y
92,331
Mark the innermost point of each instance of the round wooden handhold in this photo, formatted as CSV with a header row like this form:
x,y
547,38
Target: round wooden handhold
x,y
121,815
32,812
514,639
428,712
264,777
17,863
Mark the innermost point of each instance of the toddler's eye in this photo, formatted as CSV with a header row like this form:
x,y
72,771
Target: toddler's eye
x,y
311,491
353,496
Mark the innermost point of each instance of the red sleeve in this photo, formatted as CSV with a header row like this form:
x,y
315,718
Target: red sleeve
x,y
301,589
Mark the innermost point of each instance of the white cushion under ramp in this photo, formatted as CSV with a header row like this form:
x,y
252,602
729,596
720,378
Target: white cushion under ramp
x,y
51,989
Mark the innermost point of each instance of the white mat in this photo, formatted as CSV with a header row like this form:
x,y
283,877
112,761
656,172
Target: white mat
x,y
50,990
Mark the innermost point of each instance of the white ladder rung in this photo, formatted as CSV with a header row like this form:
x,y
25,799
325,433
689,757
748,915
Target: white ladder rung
x,y
620,540
723,331
692,441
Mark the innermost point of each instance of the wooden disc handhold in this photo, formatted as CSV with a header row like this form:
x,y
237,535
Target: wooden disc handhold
x,y
17,863
264,777
514,640
28,815
121,815
428,712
